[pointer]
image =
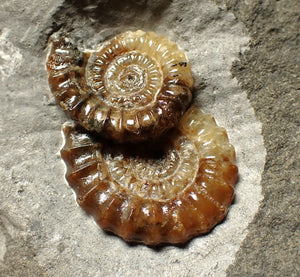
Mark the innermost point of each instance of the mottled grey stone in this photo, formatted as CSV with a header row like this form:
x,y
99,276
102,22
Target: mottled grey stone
x,y
43,232
269,72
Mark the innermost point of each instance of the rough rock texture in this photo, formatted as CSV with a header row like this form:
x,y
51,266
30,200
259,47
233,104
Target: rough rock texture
x,y
42,230
270,73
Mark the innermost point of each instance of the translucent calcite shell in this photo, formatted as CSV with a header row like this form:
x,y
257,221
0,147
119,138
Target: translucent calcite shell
x,y
164,192
134,87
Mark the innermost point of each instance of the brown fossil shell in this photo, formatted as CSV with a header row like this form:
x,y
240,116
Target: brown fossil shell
x,y
164,193
133,87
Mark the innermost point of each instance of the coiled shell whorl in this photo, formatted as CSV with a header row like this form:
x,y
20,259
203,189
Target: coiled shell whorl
x,y
134,87
147,196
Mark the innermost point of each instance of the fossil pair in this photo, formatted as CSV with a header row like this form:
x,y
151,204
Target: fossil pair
x,y
144,167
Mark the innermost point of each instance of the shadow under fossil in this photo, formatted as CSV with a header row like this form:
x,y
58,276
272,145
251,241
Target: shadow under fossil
x,y
84,19
161,247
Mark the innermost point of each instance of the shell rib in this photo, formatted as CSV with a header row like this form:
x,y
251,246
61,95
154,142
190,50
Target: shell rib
x,y
134,87
164,193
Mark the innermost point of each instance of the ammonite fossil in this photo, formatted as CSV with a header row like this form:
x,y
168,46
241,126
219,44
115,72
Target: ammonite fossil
x,y
167,192
134,87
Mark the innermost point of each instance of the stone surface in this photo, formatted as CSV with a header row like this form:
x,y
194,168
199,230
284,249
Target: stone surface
x,y
44,232
269,72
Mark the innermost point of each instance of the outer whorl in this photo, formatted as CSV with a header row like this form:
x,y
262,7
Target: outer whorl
x,y
165,193
134,87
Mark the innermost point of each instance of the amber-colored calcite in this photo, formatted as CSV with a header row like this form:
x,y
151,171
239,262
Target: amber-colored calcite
x,y
134,87
153,193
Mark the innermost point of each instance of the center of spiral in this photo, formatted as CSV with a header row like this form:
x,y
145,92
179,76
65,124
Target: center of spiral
x,y
131,78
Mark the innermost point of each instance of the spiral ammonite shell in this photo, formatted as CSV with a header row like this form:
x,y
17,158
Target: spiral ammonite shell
x,y
164,193
134,87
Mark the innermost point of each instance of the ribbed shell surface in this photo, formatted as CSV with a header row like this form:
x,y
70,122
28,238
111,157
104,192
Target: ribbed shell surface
x,y
163,192
134,87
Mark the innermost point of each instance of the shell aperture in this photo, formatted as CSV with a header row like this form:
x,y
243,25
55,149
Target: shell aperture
x,y
134,87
